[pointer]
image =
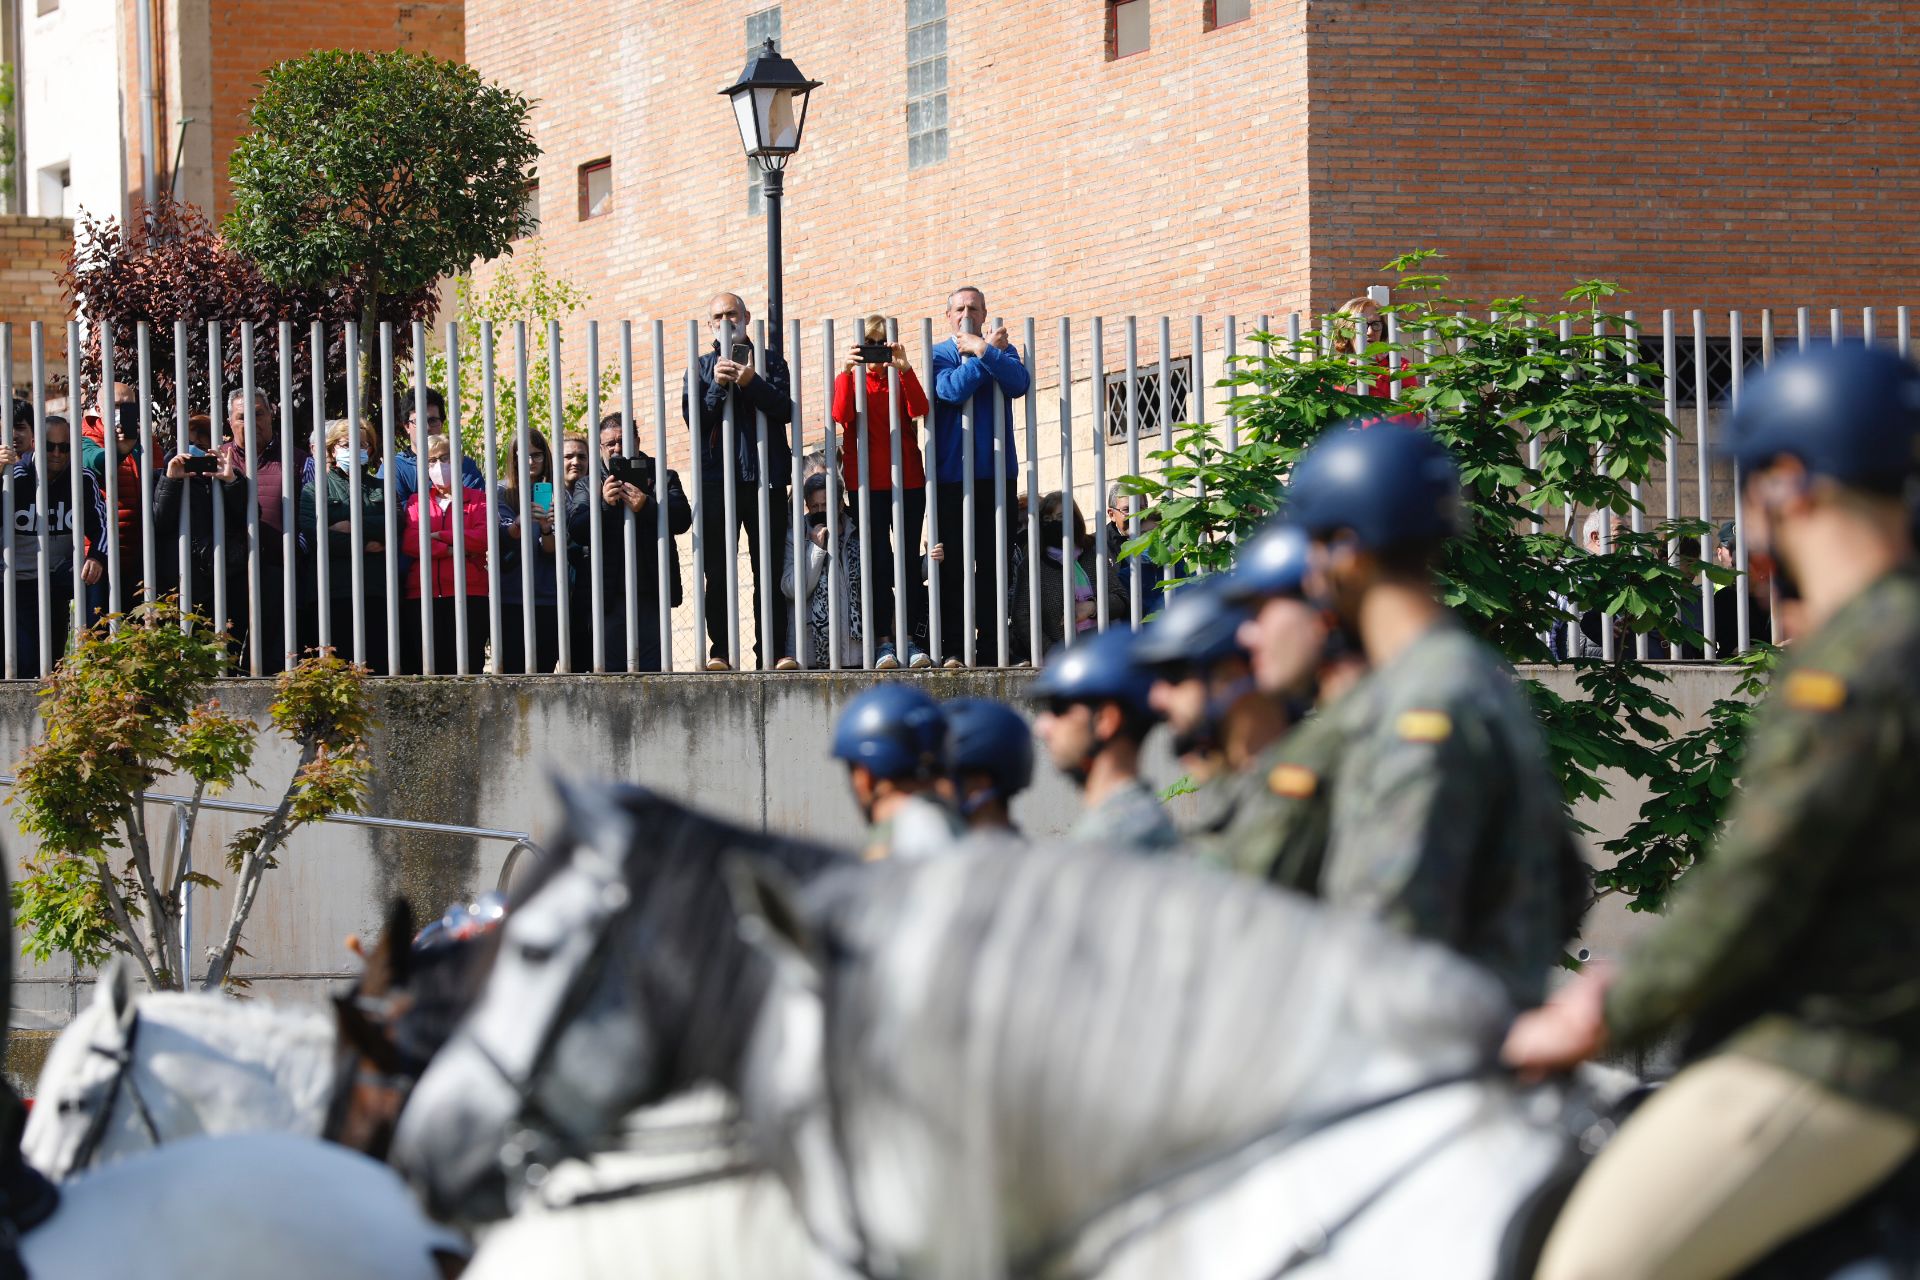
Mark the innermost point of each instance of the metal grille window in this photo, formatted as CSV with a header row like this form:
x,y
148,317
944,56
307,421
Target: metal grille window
x,y
761,27
1114,389
1224,13
1127,28
1719,354
926,82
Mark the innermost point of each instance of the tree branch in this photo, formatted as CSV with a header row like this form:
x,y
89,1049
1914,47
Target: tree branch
x,y
134,819
273,833
117,905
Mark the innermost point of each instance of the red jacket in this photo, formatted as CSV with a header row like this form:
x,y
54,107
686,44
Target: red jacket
x,y
473,530
126,493
879,425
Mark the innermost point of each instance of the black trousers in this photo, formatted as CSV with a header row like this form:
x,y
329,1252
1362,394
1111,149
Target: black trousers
x,y
911,594
26,646
954,569
720,542
512,640
446,640
614,622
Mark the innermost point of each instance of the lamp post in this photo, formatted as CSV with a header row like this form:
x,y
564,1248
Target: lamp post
x,y
770,106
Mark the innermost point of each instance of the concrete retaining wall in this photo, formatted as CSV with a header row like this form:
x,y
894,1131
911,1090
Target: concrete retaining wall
x,y
479,752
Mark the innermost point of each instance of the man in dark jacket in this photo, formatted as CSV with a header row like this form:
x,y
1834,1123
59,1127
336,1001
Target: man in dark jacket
x,y
618,499
57,516
754,397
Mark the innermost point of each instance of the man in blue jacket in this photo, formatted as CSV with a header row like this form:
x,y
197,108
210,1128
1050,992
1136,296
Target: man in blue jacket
x,y
977,370
754,397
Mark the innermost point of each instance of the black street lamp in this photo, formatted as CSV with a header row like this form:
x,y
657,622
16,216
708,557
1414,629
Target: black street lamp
x,y
770,106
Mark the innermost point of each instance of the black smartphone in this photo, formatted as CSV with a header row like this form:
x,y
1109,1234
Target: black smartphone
x,y
630,471
875,353
742,353
202,466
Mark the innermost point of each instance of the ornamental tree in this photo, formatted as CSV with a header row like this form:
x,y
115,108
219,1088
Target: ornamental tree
x,y
387,170
128,707
1540,424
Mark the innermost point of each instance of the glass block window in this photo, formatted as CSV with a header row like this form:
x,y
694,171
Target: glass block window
x,y
1224,13
761,27
1114,386
926,82
1127,28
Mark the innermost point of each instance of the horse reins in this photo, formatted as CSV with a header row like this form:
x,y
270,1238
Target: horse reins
x,y
122,1057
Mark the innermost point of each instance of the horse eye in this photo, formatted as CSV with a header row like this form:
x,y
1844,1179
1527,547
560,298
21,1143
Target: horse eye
x,y
536,952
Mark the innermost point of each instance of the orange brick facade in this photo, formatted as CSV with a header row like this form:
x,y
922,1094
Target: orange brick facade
x,y
33,252
1713,153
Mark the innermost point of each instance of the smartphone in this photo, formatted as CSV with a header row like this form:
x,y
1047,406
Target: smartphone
x,y
543,495
204,465
742,353
875,353
627,471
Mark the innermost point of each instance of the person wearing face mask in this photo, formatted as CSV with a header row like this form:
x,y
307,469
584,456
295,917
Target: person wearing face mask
x,y
1095,716
1789,955
830,582
990,761
449,595
1448,820
1061,581
337,477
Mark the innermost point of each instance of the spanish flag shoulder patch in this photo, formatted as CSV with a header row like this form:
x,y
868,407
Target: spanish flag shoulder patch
x,y
1815,691
1424,726
1295,782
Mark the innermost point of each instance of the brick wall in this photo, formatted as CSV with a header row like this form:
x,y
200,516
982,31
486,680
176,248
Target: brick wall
x,y
249,36
1073,183
33,252
1714,153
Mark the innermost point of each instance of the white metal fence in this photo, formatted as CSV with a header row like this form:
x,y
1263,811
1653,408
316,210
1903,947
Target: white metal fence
x,y
292,545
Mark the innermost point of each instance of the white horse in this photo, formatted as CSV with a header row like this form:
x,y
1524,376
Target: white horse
x,y
238,1208
133,1071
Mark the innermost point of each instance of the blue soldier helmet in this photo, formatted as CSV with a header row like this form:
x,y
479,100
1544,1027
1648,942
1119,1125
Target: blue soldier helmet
x,y
1390,486
1848,412
895,730
991,738
1199,627
1271,563
1100,668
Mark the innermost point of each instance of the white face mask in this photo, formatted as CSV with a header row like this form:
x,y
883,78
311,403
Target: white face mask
x,y
343,456
439,473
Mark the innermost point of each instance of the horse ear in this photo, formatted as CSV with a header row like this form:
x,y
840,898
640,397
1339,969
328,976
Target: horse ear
x,y
772,918
113,991
390,963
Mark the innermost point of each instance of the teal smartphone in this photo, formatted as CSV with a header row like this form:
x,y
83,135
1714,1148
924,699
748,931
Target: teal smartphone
x,y
543,495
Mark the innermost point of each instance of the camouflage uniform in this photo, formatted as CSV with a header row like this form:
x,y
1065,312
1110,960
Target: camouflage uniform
x,y
919,828
1279,830
1447,819
1798,941
1129,818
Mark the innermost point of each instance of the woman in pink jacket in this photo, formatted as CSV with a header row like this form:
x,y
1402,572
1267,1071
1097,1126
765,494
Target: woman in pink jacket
x,y
452,598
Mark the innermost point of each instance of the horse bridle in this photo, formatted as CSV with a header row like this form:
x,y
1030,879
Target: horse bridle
x,y
122,1056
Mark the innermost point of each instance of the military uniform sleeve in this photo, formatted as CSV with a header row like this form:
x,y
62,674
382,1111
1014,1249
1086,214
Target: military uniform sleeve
x,y
1813,776
1409,817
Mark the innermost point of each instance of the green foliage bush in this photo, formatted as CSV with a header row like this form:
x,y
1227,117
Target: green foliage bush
x,y
1538,422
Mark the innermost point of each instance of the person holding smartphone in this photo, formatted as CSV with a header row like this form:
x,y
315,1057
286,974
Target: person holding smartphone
x,y
871,360
629,490
201,481
727,377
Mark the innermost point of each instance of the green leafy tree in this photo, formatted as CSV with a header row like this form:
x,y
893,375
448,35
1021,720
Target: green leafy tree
x,y
389,170
126,708
1538,423
536,299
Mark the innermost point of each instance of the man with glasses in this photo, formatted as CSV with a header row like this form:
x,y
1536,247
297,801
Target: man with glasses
x,y
30,511
727,378
618,499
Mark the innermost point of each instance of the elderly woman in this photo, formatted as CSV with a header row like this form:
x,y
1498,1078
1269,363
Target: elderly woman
x,y
432,571
336,474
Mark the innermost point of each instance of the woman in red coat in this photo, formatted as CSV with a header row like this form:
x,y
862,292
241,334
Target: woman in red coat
x,y
876,517
451,597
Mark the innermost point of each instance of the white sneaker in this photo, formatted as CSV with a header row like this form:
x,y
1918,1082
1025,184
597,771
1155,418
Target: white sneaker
x,y
886,659
916,656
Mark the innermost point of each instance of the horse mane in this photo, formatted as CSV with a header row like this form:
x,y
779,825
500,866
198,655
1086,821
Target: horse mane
x,y
1066,1024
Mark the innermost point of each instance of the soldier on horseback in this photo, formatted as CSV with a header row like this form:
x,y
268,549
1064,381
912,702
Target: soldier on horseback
x,y
1094,717
1446,817
1792,953
990,756
893,739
